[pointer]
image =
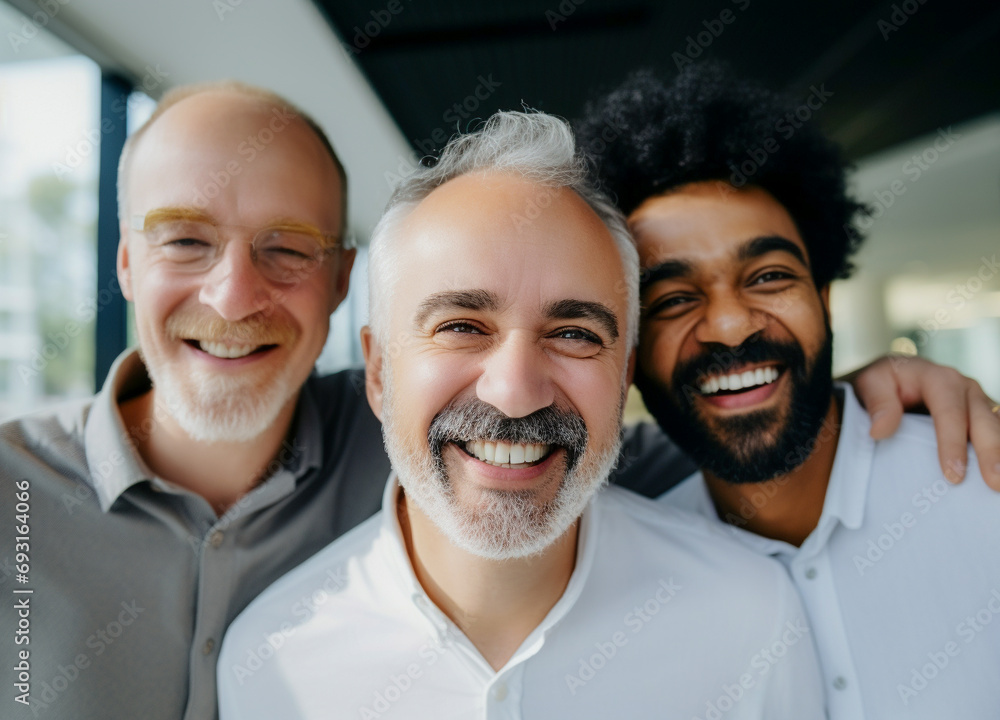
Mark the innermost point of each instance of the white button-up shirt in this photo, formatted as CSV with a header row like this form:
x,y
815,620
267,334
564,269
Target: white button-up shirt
x,y
663,617
900,578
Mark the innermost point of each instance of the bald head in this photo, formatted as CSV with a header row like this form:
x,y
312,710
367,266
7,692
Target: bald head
x,y
231,126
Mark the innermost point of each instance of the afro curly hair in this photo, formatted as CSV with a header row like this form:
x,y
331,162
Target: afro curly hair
x,y
647,137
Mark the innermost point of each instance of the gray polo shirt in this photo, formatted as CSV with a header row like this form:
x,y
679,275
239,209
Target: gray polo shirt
x,y
133,581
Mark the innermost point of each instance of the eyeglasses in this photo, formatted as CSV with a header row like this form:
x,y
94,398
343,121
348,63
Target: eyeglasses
x,y
284,253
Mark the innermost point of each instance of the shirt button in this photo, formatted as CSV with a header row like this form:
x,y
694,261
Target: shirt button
x,y
839,683
209,646
216,538
500,692
810,573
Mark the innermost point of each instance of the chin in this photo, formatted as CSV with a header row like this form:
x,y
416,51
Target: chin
x,y
755,445
216,408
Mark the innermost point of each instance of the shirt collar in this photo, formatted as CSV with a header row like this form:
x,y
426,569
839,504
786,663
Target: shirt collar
x,y
847,490
394,544
847,493
394,550
115,464
112,459
306,433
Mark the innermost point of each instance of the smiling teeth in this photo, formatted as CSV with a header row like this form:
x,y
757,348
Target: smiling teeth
x,y
221,350
739,381
503,454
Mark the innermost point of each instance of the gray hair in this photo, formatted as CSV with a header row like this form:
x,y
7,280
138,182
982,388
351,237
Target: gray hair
x,y
536,146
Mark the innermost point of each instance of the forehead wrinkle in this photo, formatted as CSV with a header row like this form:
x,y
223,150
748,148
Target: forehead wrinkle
x,y
477,300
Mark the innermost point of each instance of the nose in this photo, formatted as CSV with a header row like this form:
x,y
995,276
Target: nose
x,y
516,377
728,320
234,287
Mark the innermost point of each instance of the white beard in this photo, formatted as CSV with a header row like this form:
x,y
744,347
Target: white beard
x,y
218,408
502,525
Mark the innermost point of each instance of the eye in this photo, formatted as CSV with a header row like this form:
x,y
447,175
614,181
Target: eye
x,y
287,245
458,326
575,342
289,252
185,249
186,242
577,334
772,276
670,306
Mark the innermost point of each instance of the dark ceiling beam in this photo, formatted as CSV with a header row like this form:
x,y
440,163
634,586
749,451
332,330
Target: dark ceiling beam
x,y
911,92
850,46
575,23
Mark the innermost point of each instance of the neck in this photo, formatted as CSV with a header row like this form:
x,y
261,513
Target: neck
x,y
221,472
789,506
495,603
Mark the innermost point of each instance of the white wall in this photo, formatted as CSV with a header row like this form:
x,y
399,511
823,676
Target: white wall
x,y
928,262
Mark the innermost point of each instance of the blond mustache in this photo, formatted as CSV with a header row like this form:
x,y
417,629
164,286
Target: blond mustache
x,y
254,330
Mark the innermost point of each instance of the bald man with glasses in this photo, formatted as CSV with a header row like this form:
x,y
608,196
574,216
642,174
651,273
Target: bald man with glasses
x,y
214,459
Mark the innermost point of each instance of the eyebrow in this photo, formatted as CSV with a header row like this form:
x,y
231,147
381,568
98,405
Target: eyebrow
x,y
290,225
771,243
667,270
158,216
670,269
456,299
584,310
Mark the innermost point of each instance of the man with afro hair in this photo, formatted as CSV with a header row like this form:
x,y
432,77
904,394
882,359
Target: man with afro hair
x,y
742,220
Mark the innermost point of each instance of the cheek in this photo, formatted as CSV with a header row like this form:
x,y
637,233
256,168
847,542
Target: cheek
x,y
425,382
594,389
307,304
157,296
804,319
659,346
309,313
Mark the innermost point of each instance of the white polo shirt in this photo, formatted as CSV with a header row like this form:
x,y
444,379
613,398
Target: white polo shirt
x,y
900,578
663,617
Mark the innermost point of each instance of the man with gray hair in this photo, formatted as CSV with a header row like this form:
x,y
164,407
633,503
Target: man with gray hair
x,y
499,578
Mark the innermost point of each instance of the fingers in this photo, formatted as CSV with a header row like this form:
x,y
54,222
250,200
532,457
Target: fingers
x,y
961,411
984,433
877,390
946,395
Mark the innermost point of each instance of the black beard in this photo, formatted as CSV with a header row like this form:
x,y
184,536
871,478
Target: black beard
x,y
754,446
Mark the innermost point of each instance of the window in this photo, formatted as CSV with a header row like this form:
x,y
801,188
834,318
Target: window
x,y
50,134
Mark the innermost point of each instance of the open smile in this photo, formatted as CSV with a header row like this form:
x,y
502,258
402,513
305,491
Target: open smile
x,y
506,455
736,382
225,350
742,388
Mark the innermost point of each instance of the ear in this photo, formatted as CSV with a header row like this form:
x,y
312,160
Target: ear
x,y
342,278
373,370
122,264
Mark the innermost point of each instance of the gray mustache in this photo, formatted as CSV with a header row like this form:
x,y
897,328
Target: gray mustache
x,y
474,419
